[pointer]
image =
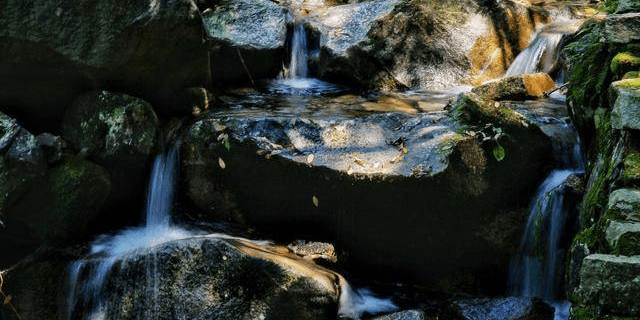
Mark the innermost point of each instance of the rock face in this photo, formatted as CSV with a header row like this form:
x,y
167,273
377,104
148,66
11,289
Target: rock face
x,y
54,50
504,309
624,204
623,28
626,106
626,6
612,282
520,87
365,182
624,237
118,131
247,39
211,278
387,44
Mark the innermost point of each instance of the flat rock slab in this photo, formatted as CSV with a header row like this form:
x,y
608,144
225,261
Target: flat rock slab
x,y
400,191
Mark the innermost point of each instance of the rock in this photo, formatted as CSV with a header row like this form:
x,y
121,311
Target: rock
x,y
70,195
280,172
622,28
210,277
248,39
577,254
403,315
625,95
511,308
625,62
37,285
519,87
314,250
118,131
387,44
611,283
626,6
54,50
624,204
22,161
624,237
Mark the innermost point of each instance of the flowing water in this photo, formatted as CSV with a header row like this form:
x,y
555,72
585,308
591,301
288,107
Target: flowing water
x,y
536,271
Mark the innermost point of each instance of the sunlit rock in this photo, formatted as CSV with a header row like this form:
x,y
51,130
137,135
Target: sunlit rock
x,y
382,186
517,87
247,38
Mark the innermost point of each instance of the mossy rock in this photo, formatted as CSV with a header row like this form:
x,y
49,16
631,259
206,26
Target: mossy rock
x,y
624,62
472,109
624,204
518,87
626,6
625,99
71,195
106,125
624,237
593,313
631,169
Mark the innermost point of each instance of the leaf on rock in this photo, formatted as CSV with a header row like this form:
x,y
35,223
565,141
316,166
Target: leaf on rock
x,y
221,163
499,153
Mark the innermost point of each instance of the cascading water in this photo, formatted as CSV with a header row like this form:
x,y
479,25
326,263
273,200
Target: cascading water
x,y
88,278
87,299
299,53
297,81
534,271
542,53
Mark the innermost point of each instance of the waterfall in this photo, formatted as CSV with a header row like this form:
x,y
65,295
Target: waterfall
x,y
534,270
299,54
540,55
87,299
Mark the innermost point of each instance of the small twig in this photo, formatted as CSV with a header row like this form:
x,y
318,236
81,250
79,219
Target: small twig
x,y
548,93
7,299
245,66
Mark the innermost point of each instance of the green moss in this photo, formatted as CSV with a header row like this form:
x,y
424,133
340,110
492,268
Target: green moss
x,y
628,245
630,84
594,238
608,6
631,170
624,61
592,313
631,75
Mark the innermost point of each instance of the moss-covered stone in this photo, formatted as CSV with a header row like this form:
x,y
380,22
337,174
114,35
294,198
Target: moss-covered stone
x,y
623,237
624,204
472,109
631,75
624,62
630,175
520,87
71,194
593,313
625,98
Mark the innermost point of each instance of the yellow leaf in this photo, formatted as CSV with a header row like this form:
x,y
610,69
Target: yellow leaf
x,y
7,299
310,158
315,200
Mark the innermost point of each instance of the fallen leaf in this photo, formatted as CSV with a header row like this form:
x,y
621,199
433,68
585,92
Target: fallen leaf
x,y
315,200
310,158
221,163
7,299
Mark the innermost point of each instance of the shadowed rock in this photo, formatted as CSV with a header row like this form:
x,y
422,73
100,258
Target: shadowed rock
x,y
51,51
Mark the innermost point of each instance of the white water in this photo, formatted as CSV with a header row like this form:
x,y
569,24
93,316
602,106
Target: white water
x,y
297,81
530,60
107,249
534,271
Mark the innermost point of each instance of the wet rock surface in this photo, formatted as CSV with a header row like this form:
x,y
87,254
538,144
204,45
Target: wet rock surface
x,y
351,181
209,277
626,104
504,309
520,87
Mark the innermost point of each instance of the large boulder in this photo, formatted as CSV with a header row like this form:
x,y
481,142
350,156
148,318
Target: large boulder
x,y
626,6
624,237
247,38
389,44
50,51
205,277
611,283
118,131
365,182
624,204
